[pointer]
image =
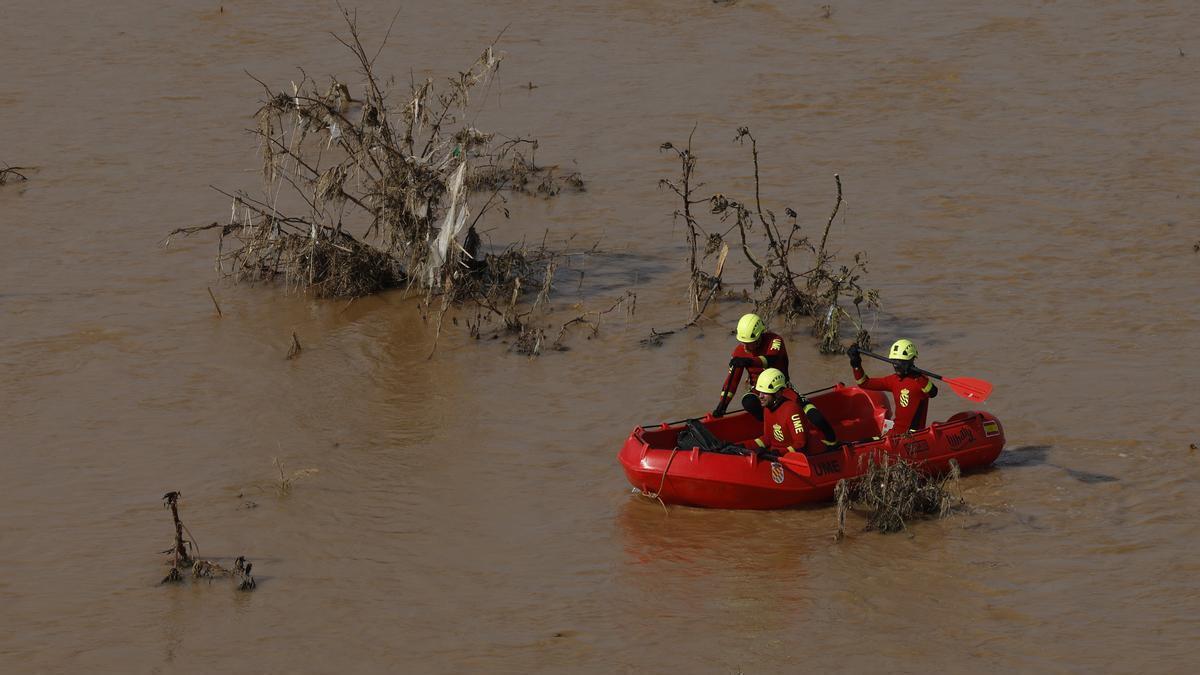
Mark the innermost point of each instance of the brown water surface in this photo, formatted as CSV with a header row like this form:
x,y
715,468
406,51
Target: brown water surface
x,y
1024,177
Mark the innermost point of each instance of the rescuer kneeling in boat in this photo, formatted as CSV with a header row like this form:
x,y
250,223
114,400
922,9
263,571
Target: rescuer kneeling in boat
x,y
757,349
784,412
910,390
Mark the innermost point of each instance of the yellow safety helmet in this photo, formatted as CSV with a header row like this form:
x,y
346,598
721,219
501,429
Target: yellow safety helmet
x,y
903,350
750,328
770,381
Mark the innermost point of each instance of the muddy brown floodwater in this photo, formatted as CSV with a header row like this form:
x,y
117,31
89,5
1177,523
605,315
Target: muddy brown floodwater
x,y
1024,177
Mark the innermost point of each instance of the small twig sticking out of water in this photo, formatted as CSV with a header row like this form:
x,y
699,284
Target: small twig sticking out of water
x,y
286,481
630,302
842,492
683,188
214,301
180,550
13,171
826,11
656,338
241,570
295,349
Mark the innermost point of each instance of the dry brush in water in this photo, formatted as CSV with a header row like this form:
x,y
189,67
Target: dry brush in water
x,y
792,274
893,491
363,194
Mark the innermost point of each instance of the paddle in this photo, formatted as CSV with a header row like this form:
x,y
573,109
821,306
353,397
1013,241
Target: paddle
x,y
967,387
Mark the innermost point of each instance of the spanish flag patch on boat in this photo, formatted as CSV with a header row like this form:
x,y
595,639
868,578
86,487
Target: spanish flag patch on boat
x,y
991,428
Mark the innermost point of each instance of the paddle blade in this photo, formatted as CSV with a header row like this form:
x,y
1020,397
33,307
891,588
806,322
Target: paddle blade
x,y
969,387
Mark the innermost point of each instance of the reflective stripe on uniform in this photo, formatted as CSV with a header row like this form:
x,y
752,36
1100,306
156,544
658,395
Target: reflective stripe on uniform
x,y
809,407
928,386
727,394
760,443
861,380
791,449
829,443
764,361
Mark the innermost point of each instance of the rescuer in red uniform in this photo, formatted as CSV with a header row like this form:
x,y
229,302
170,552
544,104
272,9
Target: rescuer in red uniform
x,y
756,350
911,391
784,412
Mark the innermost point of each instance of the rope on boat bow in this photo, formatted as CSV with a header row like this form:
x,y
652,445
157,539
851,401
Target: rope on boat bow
x,y
661,483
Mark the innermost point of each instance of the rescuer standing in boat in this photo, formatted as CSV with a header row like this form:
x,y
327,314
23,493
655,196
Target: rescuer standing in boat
x,y
911,391
757,349
784,412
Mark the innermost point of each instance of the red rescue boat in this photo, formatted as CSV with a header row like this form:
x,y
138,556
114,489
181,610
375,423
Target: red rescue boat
x,y
690,476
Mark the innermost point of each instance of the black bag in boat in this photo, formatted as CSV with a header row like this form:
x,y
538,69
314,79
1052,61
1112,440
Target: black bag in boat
x,y
696,435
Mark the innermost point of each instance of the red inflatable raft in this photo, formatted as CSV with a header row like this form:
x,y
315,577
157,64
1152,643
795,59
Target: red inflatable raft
x,y
693,477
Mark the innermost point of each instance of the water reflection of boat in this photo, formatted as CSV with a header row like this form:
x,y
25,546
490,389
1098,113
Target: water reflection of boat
x,y
701,542
725,479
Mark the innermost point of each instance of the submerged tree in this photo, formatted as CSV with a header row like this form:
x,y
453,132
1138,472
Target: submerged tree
x,y
365,194
793,276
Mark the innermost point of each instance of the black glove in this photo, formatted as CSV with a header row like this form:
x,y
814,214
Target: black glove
x,y
719,411
743,362
855,357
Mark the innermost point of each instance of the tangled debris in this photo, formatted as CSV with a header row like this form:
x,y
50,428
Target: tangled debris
x,y
793,275
206,569
893,491
184,556
373,189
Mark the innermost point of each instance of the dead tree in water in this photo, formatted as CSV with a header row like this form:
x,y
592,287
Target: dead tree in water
x,y
364,194
793,277
182,556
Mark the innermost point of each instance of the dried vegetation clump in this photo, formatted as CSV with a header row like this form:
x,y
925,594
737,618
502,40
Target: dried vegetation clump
x,y
893,491
287,480
793,275
369,189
